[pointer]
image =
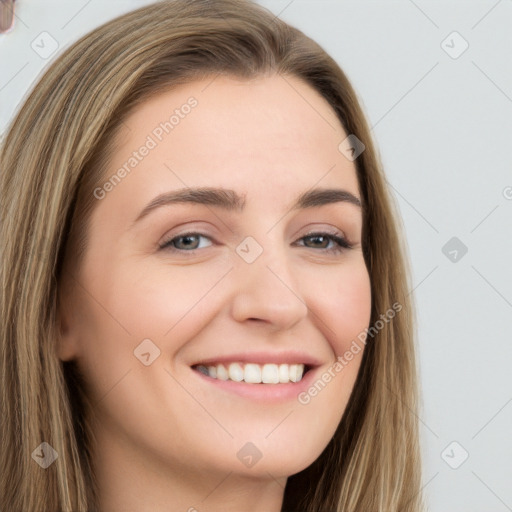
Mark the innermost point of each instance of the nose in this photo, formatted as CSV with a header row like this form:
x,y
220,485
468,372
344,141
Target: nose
x,y
266,290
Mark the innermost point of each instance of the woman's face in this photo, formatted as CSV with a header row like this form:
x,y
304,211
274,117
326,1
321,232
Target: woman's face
x,y
169,291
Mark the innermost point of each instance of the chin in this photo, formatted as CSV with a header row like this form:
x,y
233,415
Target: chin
x,y
280,455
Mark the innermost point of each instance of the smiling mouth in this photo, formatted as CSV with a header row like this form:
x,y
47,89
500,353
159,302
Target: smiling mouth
x,y
252,373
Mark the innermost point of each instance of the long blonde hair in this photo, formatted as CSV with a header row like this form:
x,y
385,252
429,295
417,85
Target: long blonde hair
x,y
55,152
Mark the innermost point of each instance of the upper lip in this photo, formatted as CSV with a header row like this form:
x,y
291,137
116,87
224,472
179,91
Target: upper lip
x,y
286,357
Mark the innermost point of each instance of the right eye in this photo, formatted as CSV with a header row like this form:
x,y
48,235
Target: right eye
x,y
187,242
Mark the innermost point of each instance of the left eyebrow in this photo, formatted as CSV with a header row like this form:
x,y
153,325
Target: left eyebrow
x,y
230,200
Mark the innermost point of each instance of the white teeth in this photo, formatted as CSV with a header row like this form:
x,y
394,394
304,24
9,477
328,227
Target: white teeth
x,y
255,373
222,373
236,372
295,372
270,374
284,374
252,373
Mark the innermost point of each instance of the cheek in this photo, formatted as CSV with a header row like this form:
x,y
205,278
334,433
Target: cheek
x,y
341,301
341,304
129,305
351,306
154,300
169,302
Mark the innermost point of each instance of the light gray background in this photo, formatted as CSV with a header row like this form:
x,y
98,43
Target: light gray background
x,y
443,126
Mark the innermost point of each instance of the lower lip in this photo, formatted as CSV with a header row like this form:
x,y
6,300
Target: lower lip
x,y
262,392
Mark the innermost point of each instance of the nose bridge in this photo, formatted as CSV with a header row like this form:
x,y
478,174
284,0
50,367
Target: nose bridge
x,y
266,288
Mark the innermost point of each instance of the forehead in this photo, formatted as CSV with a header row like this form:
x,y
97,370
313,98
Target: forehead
x,y
272,137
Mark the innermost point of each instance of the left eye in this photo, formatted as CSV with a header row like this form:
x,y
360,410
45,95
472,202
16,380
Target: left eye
x,y
339,242
188,242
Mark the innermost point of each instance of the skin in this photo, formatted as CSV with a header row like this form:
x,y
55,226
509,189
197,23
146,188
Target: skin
x,y
165,438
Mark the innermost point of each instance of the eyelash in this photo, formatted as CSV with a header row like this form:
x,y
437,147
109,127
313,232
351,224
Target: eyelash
x,y
342,243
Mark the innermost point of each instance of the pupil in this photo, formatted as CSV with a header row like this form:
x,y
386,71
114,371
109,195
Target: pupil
x,y
187,239
317,238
